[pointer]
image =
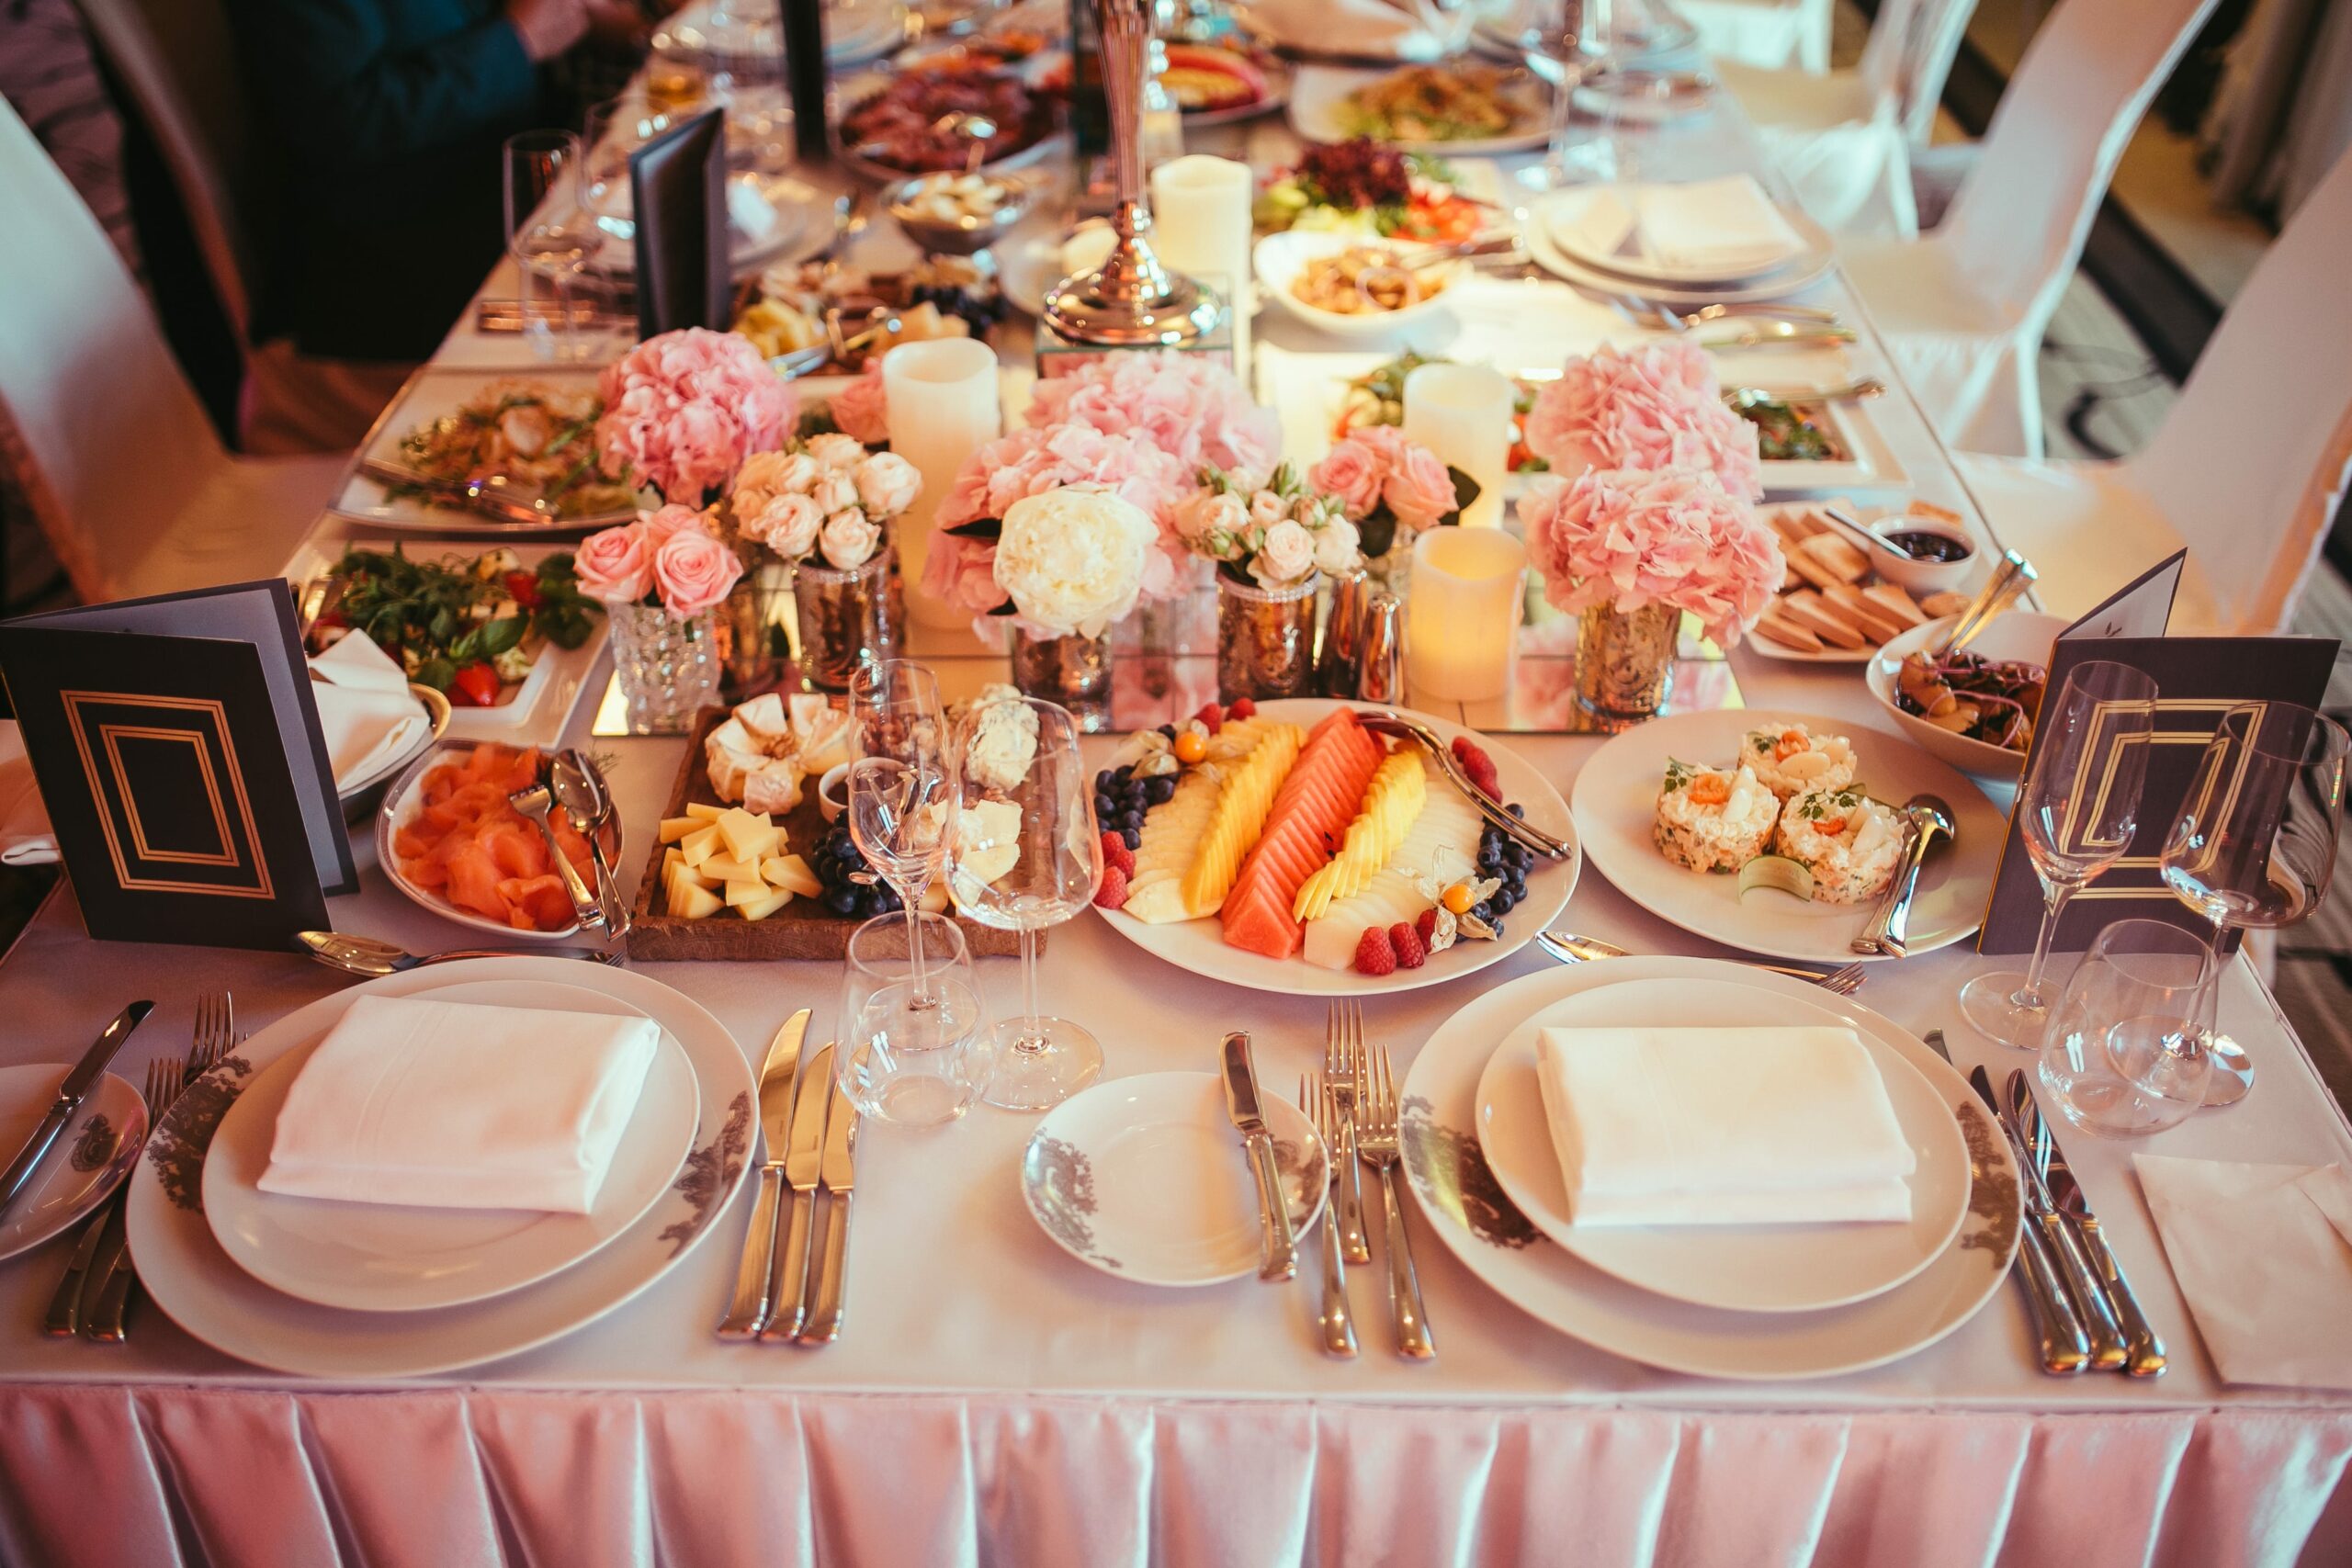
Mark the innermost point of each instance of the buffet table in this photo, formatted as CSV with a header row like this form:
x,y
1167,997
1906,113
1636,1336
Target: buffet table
x,y
990,1401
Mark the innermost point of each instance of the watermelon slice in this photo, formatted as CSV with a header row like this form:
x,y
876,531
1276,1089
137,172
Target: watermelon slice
x,y
1303,829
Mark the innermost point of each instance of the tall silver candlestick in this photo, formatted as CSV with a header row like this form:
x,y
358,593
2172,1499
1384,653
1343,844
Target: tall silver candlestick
x,y
1131,300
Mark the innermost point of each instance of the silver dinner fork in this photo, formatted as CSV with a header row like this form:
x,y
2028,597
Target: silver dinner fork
x,y
1337,1324
1340,1071
106,1294
214,1037
1377,1144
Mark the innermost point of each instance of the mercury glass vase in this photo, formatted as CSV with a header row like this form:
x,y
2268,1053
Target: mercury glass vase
x,y
1072,671
668,667
751,621
1265,639
1625,661
848,619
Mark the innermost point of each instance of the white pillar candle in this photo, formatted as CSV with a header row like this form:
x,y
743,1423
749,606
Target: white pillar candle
x,y
1462,412
1200,226
1462,617
941,407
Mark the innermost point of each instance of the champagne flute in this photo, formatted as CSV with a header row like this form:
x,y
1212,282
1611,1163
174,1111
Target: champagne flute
x,y
2077,810
549,233
2254,842
1027,854
898,787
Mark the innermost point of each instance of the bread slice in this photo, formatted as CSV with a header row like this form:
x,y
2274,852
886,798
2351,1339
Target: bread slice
x,y
1864,611
1891,599
1825,620
1784,628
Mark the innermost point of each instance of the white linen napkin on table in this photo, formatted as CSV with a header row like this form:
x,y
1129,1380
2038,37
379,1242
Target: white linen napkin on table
x,y
1722,1126
24,837
2264,1255
365,711
457,1106
1416,32
1727,227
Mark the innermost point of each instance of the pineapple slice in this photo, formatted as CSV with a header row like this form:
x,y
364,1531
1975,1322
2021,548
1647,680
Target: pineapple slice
x,y
1242,805
1398,790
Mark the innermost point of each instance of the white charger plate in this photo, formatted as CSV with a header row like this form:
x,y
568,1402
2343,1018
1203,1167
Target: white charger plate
x,y
205,1294
1146,1179
93,1153
1783,285
1615,802
1766,1269
1475,1218
1645,270
1200,946
1318,96
392,1257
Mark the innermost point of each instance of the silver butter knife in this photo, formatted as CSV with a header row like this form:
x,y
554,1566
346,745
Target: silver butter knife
x,y
78,1081
2065,1347
840,1172
1278,1249
2143,1352
804,1159
749,1309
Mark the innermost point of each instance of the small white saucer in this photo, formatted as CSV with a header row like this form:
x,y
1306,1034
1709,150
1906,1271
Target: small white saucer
x,y
93,1153
1145,1177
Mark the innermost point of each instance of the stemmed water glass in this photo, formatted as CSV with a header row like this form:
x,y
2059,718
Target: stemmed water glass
x,y
898,788
2077,810
550,233
1027,854
2255,843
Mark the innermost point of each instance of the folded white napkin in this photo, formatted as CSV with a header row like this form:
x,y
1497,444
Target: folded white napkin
x,y
365,711
1594,224
749,212
1373,29
1722,1126
24,837
453,1106
1725,227
2264,1255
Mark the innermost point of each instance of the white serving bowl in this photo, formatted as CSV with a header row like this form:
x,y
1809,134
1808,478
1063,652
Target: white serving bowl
x,y
1281,258
2020,634
1919,578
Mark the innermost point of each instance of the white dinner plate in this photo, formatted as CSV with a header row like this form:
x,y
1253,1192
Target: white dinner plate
x,y
1643,270
391,1256
1783,285
1616,801
1318,93
93,1151
1200,946
402,802
203,1291
1145,1178
1473,1216
1769,1268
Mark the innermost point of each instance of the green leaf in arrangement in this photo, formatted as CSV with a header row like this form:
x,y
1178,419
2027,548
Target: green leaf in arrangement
x,y
989,528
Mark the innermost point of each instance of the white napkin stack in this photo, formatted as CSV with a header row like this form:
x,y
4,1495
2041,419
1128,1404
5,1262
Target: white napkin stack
x,y
365,710
2264,1255
452,1106
24,837
1722,1126
1420,33
1727,228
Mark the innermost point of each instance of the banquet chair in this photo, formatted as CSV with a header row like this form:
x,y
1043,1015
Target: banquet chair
x,y
2246,470
1962,307
1843,140
126,477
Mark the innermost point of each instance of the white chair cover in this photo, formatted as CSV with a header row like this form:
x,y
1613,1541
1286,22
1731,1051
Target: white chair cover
x,y
130,484
2247,469
1771,35
1964,307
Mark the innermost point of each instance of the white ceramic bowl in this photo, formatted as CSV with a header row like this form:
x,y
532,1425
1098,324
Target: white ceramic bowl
x,y
1918,577
1281,258
2020,634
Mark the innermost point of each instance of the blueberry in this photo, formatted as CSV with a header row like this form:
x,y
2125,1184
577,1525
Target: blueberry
x,y
1160,790
1483,909
1103,807
1498,925
1132,819
1104,779
1168,730
1516,809
1132,838
842,901
1489,862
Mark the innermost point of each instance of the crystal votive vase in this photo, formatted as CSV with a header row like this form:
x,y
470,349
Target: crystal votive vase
x,y
1626,660
1074,672
668,667
848,619
1265,639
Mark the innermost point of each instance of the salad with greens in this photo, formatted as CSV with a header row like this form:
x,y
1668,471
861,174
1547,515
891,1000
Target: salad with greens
x,y
469,627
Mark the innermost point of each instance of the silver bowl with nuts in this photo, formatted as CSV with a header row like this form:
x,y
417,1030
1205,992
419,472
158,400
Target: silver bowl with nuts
x,y
958,215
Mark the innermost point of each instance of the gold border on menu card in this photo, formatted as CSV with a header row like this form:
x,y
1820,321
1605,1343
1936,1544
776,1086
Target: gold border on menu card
x,y
217,716
227,854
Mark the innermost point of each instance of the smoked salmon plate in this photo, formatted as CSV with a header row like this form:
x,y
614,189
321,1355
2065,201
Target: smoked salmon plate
x,y
450,841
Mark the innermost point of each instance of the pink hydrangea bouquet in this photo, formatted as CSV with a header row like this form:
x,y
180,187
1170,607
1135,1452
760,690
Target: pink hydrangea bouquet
x,y
1628,539
1388,485
683,411
672,559
1188,405
825,497
1279,534
1036,461
1660,406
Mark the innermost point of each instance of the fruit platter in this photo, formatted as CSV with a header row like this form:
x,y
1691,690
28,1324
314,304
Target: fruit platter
x,y
1283,846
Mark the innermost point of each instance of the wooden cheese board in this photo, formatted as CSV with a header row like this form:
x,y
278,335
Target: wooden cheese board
x,y
802,929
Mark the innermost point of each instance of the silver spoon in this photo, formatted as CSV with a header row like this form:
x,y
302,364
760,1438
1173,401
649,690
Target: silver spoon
x,y
1867,537
1851,391
367,955
535,805
1929,815
580,787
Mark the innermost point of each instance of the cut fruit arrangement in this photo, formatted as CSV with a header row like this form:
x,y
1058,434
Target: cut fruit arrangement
x,y
1320,843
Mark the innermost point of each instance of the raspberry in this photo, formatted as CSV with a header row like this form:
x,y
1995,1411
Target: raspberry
x,y
1425,927
1112,894
1411,953
1116,853
1375,955
1211,715
1478,765
1242,708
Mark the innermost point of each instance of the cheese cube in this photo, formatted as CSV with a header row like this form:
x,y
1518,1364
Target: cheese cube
x,y
742,893
698,846
761,909
688,902
726,868
676,828
791,871
671,857
749,837
701,813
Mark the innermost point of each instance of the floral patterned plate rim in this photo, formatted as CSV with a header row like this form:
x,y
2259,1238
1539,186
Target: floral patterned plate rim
x,y
206,1294
89,1159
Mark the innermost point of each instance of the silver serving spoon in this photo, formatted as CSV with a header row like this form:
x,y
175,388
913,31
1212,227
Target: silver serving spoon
x,y
535,804
581,789
1868,539
1887,932
367,955
1851,391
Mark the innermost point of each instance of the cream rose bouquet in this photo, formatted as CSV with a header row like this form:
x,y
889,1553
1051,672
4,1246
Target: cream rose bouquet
x,y
1390,487
825,498
672,559
1277,534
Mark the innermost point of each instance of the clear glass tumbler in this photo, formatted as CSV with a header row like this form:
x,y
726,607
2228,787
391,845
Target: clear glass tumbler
x,y
914,1057
2126,1051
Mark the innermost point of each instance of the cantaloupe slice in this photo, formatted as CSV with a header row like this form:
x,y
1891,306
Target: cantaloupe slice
x,y
1242,805
1395,799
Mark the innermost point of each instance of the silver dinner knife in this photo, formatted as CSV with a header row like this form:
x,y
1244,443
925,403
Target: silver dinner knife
x,y
803,1162
750,1308
840,1170
1278,1248
76,1086
2143,1352
2097,1313
2066,1348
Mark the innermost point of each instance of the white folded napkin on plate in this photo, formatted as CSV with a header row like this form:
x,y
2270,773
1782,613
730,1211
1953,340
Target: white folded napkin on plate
x,y
1593,224
2264,1255
365,710
1726,227
1722,1126
451,1105
24,837
1373,29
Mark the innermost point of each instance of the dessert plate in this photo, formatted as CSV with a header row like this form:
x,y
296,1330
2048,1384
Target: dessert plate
x,y
91,1156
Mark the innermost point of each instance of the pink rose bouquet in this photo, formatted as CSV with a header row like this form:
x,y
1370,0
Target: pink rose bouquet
x,y
826,497
1278,534
1629,538
1658,407
1188,405
672,558
1388,485
683,411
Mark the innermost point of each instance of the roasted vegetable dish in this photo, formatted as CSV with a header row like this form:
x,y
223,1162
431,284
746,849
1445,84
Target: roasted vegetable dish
x,y
1991,700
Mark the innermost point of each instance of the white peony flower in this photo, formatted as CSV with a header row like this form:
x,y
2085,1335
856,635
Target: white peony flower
x,y
1336,546
1287,556
888,484
849,538
1072,558
840,453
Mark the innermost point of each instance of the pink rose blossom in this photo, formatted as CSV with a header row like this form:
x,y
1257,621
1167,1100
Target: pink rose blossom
x,y
1660,406
849,539
615,565
693,570
786,524
1188,405
683,411
861,410
1418,490
1631,539
1353,470
962,573
665,520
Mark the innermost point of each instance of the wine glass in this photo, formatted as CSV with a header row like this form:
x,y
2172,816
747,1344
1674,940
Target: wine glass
x,y
898,787
549,234
893,704
2077,810
2126,1052
1027,854
2254,842
903,1058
